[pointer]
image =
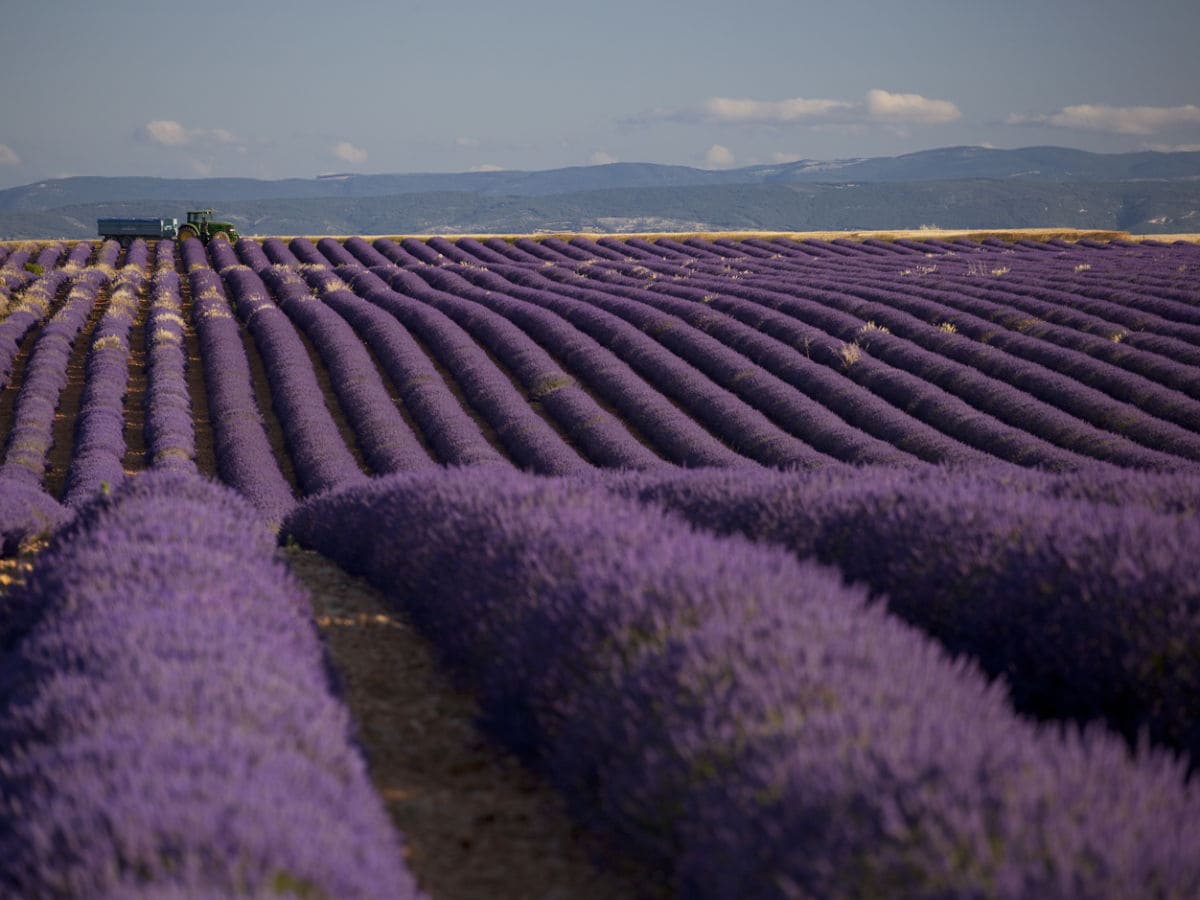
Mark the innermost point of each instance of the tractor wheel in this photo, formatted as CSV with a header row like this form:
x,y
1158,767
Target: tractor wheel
x,y
187,231
218,236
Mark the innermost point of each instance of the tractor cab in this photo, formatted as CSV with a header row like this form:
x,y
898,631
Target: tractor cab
x,y
200,224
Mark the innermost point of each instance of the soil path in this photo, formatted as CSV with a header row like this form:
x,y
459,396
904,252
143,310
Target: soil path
x,y
476,823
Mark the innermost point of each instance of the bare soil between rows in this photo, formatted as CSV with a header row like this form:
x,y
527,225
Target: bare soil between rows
x,y
475,822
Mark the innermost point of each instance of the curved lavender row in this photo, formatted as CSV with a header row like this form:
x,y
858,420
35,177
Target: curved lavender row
x,y
971,369
659,249
98,459
278,253
1150,304
107,255
31,307
388,443
31,434
13,273
1087,609
600,435
540,251
1054,367
511,252
365,253
848,311
677,436
1061,324
944,417
449,430
50,254
745,430
169,430
528,439
625,251
1165,345
685,254
251,253
335,253
561,247
812,404
245,459
411,252
852,404
138,254
305,251
222,255
167,720
758,387
320,455
807,322
79,255
1165,297
744,723
478,252
449,250
27,512
595,249
1137,311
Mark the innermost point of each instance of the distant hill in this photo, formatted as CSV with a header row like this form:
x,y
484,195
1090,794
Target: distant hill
x,y
955,187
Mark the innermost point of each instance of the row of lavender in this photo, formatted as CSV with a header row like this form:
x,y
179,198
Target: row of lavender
x,y
1134,670
743,722
1150,688
62,300
1030,401
593,360
149,746
167,726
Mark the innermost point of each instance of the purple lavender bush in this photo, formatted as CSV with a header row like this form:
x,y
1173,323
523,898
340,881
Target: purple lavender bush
x,y
169,430
740,721
166,718
27,512
1080,591
245,459
98,455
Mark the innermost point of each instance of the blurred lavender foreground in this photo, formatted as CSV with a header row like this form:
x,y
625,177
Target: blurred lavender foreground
x,y
744,722
166,721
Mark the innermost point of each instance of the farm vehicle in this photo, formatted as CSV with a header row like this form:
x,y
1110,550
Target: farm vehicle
x,y
199,224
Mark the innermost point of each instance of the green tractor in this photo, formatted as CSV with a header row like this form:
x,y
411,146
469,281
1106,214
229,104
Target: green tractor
x,y
200,225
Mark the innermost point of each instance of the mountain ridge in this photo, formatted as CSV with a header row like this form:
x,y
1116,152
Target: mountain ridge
x,y
951,187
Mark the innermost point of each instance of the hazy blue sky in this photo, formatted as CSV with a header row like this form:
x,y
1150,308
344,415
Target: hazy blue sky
x,y
277,90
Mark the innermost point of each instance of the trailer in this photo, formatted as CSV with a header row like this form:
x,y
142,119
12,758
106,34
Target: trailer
x,y
126,229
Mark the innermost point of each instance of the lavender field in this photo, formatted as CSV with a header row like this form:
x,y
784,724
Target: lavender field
x,y
798,567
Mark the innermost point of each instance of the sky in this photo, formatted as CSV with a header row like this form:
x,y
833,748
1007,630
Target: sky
x,y
280,90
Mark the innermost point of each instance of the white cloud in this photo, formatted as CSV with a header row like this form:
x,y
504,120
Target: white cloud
x,y
347,152
203,168
719,157
486,167
783,158
878,107
167,132
1114,119
8,156
728,109
601,158
170,133
466,142
910,109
